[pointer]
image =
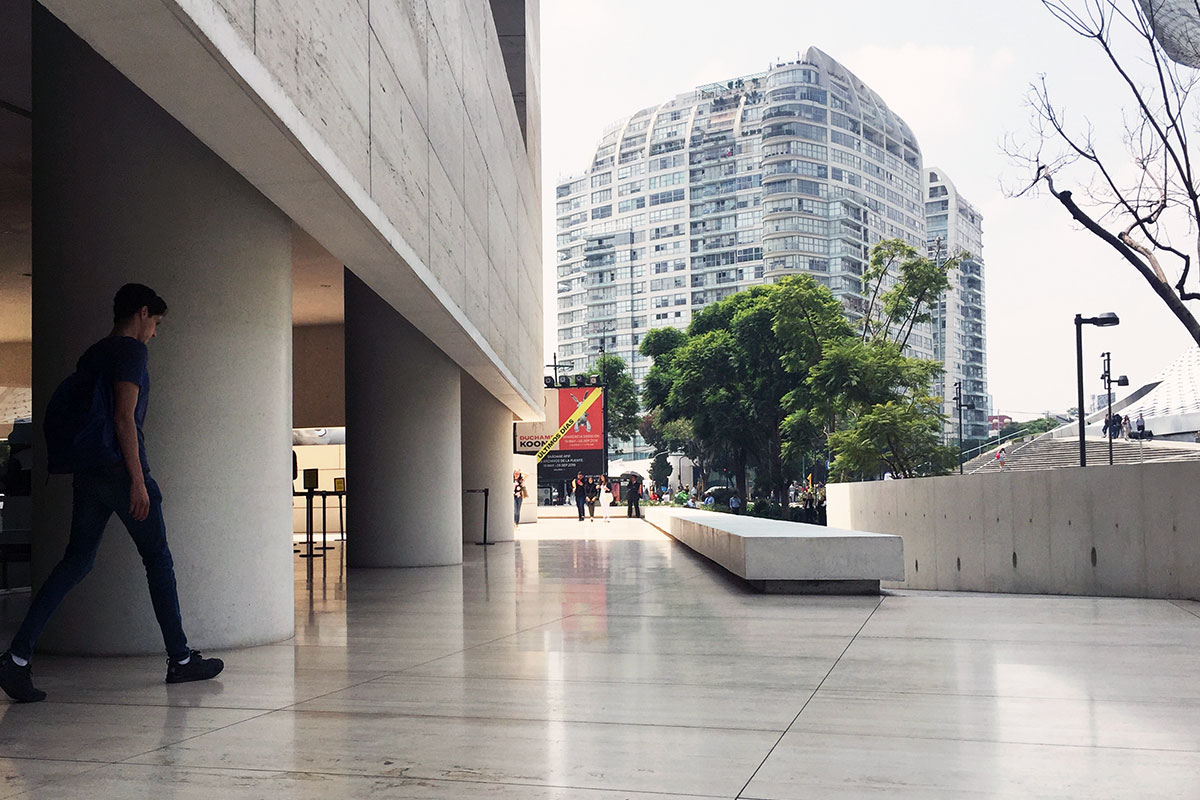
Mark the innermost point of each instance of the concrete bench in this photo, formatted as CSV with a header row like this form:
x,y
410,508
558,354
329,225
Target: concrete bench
x,y
787,557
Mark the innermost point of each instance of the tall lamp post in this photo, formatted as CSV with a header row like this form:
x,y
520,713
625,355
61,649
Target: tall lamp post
x,y
960,405
1105,320
1108,383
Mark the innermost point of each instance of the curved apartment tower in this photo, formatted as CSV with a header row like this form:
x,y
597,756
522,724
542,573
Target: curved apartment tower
x,y
799,169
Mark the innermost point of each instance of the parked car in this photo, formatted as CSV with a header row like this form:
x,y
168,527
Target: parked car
x,y
719,494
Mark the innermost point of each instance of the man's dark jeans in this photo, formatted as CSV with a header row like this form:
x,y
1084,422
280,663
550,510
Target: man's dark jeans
x,y
98,495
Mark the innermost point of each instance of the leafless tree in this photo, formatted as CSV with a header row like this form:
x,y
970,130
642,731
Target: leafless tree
x,y
1136,199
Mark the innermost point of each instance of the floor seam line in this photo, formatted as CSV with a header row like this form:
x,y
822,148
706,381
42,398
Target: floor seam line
x,y
190,738
1185,609
479,718
809,700
979,740
378,775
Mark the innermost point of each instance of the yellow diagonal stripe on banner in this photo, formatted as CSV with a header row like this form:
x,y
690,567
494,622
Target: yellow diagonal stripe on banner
x,y
571,420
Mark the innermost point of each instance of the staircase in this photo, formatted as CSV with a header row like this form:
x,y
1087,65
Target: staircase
x,y
1046,452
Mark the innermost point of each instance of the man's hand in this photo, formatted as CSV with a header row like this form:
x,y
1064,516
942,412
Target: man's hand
x,y
139,501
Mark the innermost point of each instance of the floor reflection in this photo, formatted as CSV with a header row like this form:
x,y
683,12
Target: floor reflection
x,y
601,660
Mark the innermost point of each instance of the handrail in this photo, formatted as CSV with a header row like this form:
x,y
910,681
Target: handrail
x,y
974,451
1043,435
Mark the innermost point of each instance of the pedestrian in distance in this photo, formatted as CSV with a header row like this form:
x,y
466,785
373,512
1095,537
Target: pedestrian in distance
x,y
633,500
591,495
93,427
1141,426
606,498
579,490
519,495
1125,427
735,503
1002,457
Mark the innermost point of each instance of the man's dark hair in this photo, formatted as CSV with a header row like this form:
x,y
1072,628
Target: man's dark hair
x,y
131,297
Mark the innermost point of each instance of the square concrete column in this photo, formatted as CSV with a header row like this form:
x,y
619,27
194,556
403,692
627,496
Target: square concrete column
x,y
487,461
124,193
403,440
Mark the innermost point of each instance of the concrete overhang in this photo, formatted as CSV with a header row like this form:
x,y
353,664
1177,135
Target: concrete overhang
x,y
188,58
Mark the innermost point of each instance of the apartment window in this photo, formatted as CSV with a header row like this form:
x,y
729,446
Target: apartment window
x,y
631,170
667,162
602,212
666,197
603,179
670,179
602,196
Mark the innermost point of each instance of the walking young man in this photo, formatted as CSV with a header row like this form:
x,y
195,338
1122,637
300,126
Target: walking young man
x,y
114,479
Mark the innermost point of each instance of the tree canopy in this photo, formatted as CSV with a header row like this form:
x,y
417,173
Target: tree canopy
x,y
778,373
622,400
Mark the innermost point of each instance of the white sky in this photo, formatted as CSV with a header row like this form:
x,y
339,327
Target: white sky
x,y
957,71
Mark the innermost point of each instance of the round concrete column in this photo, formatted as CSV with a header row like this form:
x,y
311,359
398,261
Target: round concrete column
x,y
403,456
487,461
123,193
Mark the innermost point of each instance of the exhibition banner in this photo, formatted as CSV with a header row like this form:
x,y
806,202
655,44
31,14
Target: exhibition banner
x,y
571,440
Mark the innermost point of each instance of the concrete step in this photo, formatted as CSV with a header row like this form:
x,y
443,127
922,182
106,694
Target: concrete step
x,y
1050,453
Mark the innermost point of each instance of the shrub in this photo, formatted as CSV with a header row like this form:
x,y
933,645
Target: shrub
x,y
765,508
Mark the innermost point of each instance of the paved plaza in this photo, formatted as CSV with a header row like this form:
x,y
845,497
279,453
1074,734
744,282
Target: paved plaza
x,y
603,661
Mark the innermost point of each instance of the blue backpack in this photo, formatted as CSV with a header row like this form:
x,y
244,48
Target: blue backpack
x,y
78,425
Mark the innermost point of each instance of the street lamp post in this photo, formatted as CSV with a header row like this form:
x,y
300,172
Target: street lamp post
x,y
1108,383
1104,320
958,402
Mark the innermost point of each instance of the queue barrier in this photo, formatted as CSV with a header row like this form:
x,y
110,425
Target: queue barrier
x,y
312,549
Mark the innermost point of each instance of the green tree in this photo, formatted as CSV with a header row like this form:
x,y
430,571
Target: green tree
x,y
1034,426
726,376
862,397
621,400
771,376
660,470
902,286
675,436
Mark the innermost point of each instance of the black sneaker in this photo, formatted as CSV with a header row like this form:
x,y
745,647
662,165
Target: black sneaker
x,y
198,668
17,682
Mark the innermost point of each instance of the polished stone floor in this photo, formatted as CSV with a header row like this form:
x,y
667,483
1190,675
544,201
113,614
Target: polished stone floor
x,y
615,664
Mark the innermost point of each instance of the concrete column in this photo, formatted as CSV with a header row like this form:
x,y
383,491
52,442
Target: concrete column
x,y
487,460
123,193
403,431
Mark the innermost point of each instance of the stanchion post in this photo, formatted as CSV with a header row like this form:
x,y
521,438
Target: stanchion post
x,y
324,523
311,481
485,492
485,514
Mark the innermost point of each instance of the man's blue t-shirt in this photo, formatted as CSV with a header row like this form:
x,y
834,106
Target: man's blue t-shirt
x,y
122,358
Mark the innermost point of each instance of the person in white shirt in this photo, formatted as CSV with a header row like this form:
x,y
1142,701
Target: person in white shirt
x,y
606,498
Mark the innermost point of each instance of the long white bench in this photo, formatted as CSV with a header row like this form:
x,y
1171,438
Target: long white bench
x,y
787,557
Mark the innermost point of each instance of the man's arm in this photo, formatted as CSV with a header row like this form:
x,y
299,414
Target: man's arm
x,y
125,394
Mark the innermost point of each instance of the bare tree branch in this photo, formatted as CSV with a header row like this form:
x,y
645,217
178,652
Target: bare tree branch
x,y
1132,210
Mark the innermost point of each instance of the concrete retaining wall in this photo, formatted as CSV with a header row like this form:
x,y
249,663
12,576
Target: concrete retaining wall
x,y
1130,531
